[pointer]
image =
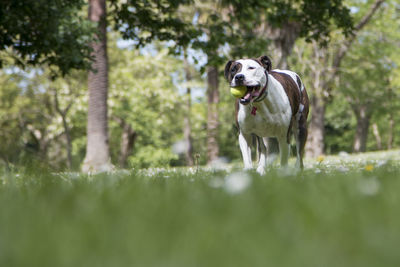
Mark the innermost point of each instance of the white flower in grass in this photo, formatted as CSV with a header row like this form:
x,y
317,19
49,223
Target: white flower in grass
x,y
191,170
219,164
343,169
369,186
381,163
237,182
317,170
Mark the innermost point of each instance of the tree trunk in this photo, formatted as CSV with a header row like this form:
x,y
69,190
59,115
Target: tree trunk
x,y
187,127
187,131
41,139
69,141
97,157
390,133
283,40
128,139
316,129
360,139
212,117
67,133
375,130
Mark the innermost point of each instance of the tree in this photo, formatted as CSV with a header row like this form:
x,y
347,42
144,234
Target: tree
x,y
144,95
48,32
283,22
367,84
142,21
325,63
187,126
97,150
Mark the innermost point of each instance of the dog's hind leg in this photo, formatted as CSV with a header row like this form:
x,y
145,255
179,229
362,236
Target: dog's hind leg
x,y
272,146
284,149
301,138
244,143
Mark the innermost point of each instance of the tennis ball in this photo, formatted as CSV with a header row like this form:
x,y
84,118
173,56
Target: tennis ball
x,y
239,91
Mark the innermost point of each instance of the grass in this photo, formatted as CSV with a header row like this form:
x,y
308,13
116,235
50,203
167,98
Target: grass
x,y
338,212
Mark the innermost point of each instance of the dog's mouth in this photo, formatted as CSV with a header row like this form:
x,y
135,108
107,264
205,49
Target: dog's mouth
x,y
252,93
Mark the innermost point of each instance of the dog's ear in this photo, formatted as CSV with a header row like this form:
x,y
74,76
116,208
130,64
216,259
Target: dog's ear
x,y
227,69
265,62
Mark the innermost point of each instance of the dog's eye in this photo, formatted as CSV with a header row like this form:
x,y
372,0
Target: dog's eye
x,y
233,70
251,68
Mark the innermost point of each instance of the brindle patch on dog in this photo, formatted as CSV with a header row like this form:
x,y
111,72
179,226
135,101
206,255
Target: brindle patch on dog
x,y
293,92
291,89
231,69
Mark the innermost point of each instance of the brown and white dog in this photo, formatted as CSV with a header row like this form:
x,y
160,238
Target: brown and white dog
x,y
275,106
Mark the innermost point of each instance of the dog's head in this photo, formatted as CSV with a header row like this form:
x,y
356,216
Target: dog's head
x,y
251,73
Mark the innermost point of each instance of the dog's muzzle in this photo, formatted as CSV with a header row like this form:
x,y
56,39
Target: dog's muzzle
x,y
253,92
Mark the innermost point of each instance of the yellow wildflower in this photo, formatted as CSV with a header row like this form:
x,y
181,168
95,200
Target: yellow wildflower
x,y
369,167
320,159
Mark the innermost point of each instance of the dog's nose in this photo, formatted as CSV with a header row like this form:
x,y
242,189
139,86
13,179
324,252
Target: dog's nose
x,y
239,78
244,101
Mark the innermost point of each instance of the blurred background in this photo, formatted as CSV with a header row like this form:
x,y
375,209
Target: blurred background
x,y
138,84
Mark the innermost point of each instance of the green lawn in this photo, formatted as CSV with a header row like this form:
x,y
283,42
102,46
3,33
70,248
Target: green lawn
x,y
341,211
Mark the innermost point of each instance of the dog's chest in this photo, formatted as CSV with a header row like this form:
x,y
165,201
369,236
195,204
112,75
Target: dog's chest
x,y
262,121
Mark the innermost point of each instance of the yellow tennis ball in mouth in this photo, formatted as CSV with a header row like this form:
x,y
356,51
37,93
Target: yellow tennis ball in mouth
x,y
239,91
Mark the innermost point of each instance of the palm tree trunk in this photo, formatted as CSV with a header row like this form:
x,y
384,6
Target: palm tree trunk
x,y
97,157
212,117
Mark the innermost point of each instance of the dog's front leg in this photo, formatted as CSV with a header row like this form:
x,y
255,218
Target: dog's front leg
x,y
244,142
262,161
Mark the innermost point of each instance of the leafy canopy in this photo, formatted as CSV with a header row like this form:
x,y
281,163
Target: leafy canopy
x,y
45,32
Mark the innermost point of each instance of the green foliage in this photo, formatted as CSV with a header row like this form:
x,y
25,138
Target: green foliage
x,y
367,74
174,218
146,21
29,116
46,32
339,126
143,93
316,18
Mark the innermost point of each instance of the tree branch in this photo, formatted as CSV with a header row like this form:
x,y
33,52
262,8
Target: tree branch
x,y
347,44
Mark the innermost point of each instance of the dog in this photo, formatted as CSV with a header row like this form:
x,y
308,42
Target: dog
x,y
274,106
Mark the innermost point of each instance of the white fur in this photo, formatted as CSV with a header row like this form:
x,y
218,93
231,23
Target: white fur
x,y
272,117
254,73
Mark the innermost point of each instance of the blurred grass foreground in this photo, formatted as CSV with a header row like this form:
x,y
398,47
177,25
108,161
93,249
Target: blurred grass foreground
x,y
340,211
